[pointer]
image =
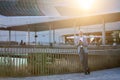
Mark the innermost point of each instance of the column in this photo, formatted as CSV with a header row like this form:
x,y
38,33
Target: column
x,y
35,38
74,26
103,32
50,32
28,36
9,36
54,36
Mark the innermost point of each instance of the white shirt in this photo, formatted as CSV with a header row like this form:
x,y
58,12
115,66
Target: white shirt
x,y
81,38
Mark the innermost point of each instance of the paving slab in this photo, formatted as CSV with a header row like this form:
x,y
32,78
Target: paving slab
x,y
107,74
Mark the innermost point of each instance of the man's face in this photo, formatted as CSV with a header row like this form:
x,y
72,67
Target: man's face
x,y
80,34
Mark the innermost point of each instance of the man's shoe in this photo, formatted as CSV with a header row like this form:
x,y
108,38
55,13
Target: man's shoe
x,y
88,71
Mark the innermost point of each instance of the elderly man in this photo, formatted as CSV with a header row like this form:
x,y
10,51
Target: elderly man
x,y
83,52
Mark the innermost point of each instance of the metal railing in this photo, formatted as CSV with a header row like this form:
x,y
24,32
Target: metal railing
x,y
32,61
25,61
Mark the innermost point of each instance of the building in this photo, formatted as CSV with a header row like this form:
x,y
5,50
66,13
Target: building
x,y
67,17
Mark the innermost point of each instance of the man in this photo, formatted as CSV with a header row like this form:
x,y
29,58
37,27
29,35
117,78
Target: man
x,y
83,52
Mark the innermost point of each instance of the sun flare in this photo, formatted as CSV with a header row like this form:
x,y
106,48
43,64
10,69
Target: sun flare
x,y
85,4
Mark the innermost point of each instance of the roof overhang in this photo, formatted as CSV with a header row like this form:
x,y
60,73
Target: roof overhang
x,y
67,23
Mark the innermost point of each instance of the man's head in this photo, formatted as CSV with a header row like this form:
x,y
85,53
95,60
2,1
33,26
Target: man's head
x,y
80,33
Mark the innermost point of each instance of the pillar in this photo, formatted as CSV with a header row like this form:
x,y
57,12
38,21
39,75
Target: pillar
x,y
103,32
50,32
15,37
28,36
9,35
74,26
35,38
54,36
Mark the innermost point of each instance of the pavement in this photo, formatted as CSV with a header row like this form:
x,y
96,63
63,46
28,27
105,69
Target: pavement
x,y
107,74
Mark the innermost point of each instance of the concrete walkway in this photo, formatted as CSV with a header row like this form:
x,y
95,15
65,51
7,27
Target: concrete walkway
x,y
108,74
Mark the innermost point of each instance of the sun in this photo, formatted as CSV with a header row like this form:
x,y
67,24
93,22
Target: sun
x,y
85,4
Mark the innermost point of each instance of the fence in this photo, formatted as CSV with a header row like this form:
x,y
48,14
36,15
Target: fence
x,y
37,61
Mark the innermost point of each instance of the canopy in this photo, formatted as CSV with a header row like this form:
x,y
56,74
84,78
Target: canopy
x,y
67,23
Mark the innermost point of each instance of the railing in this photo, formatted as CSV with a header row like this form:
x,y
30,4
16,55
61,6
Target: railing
x,y
31,61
